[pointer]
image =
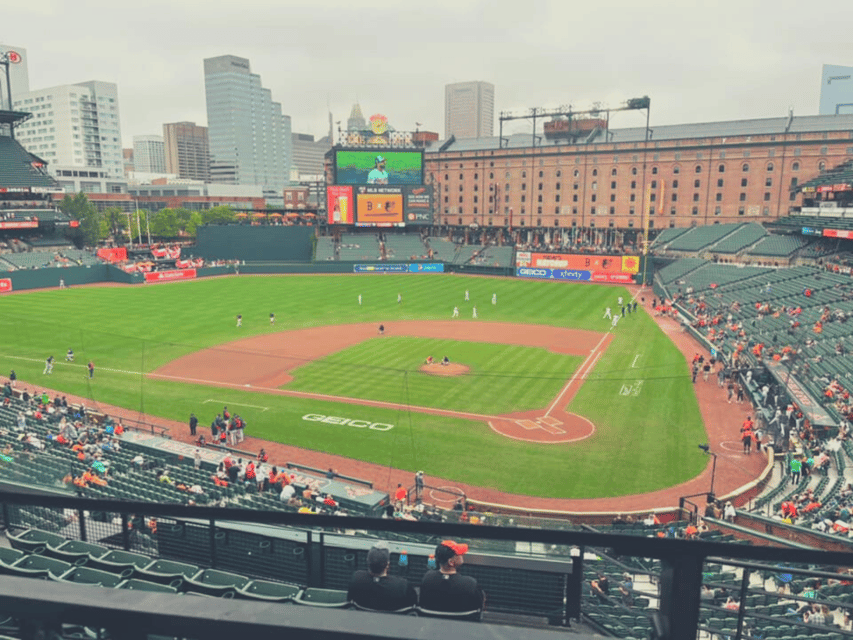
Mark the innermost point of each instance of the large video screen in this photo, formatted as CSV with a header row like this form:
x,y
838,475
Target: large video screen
x,y
379,206
378,167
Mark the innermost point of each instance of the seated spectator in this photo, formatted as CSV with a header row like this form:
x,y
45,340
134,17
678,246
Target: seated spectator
x,y
444,589
729,512
375,589
287,492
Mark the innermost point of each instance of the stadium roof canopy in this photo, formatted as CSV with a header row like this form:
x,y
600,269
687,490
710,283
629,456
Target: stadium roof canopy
x,y
659,133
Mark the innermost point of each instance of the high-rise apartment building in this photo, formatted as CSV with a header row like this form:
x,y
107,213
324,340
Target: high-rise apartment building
x,y
836,90
77,130
187,150
308,156
469,110
148,154
249,137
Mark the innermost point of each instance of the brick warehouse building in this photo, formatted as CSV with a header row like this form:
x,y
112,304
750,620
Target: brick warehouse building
x,y
698,174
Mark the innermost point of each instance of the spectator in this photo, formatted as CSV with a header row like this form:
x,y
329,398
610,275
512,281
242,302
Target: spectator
x,y
626,589
375,589
600,587
400,496
729,512
444,589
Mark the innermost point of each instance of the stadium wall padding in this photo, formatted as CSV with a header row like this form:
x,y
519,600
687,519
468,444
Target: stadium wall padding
x,y
254,243
23,279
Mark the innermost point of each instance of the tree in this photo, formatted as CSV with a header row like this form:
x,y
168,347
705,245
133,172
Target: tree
x,y
116,222
90,230
218,215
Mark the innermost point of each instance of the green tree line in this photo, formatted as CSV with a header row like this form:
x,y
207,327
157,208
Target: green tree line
x,y
96,226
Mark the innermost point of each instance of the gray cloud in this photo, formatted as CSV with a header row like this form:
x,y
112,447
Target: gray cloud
x,y
698,61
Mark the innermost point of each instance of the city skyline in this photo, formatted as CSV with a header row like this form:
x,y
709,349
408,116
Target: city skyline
x,y
697,63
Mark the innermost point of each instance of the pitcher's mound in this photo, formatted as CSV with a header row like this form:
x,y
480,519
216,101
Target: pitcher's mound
x,y
452,369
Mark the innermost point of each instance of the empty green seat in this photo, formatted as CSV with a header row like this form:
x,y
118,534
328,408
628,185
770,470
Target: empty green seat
x,y
143,585
37,566
9,556
87,575
32,539
269,591
215,583
331,598
73,550
118,561
167,571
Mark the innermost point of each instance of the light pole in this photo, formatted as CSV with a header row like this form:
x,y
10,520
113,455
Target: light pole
x,y
707,449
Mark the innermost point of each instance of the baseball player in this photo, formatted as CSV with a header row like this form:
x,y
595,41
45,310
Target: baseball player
x,y
494,298
359,299
239,321
48,366
399,298
467,298
272,318
474,315
69,357
615,320
620,301
455,312
607,313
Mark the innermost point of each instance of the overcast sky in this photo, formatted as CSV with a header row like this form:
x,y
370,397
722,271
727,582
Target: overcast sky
x,y
698,61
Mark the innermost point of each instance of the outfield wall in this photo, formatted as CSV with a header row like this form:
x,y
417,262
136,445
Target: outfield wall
x,y
255,243
26,279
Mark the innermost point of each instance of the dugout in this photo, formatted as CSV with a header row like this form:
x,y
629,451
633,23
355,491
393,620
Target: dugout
x,y
255,243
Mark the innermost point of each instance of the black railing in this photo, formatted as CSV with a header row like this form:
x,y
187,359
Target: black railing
x,y
556,553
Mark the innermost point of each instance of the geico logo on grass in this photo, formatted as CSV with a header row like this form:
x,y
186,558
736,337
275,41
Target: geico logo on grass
x,y
360,424
533,272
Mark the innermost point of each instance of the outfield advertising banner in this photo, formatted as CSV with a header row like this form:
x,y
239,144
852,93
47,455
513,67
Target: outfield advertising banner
x,y
573,275
168,276
417,205
595,263
5,285
414,267
339,205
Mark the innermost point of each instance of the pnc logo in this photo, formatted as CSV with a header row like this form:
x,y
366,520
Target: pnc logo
x,y
359,424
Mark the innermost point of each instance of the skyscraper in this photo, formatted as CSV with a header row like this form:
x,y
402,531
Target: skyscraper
x,y
356,121
77,130
469,109
148,154
187,150
836,90
246,129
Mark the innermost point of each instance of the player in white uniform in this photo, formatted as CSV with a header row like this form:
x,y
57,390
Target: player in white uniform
x,y
48,366
607,313
620,301
466,296
475,313
455,312
359,299
615,320
239,321
399,298
494,298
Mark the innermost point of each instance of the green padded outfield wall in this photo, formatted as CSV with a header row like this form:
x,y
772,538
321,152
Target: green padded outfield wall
x,y
254,243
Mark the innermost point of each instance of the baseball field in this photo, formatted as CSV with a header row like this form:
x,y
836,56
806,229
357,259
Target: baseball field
x,y
544,397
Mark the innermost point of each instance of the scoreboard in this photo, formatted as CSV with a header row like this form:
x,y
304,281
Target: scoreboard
x,y
379,188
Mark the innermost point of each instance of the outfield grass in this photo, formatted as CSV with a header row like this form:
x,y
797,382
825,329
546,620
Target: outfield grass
x,y
502,377
642,443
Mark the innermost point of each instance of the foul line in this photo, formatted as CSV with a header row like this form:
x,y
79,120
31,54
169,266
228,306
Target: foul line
x,y
585,368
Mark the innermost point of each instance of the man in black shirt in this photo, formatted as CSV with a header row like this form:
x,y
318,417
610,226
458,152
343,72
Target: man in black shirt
x,y
375,589
446,590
